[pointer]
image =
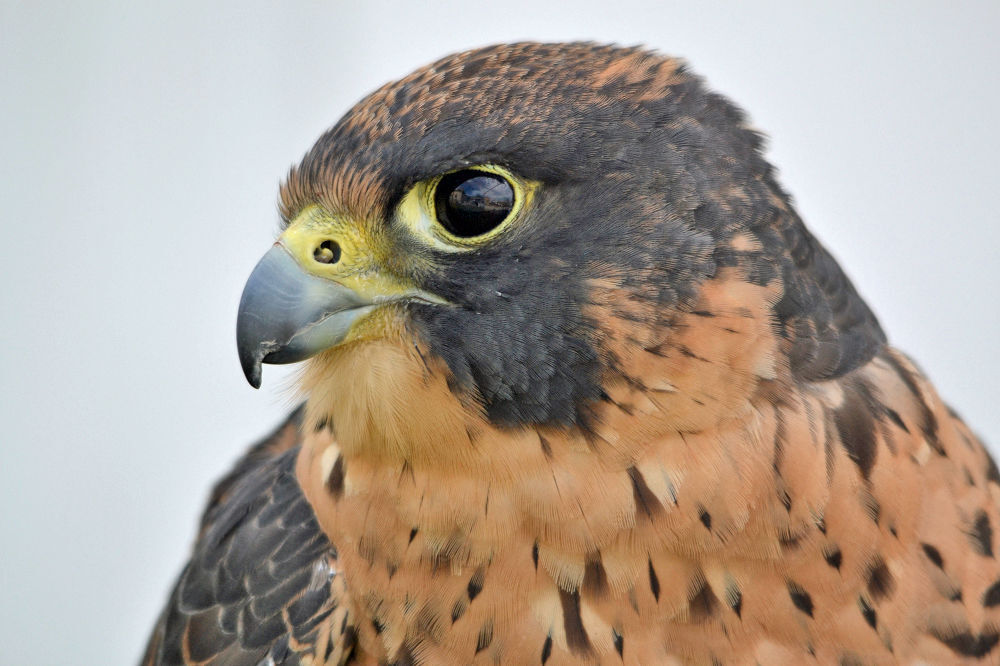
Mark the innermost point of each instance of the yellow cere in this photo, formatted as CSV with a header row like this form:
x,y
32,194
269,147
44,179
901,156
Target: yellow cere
x,y
357,267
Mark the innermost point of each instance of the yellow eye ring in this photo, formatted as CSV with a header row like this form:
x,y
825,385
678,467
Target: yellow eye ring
x,y
418,210
473,205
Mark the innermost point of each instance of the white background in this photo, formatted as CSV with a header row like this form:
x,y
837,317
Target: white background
x,y
140,153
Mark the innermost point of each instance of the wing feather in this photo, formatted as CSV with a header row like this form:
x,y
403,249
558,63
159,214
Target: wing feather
x,y
262,583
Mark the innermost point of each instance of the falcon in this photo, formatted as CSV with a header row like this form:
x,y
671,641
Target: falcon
x,y
581,388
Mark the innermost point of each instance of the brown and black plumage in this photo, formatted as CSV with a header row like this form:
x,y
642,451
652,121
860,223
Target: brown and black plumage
x,y
581,388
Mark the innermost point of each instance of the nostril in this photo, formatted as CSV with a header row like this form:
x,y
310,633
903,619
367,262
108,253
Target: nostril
x,y
328,252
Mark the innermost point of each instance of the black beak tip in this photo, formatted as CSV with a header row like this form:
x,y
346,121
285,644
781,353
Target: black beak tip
x,y
253,375
251,369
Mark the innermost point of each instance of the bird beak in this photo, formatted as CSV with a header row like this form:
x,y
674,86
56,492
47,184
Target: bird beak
x,y
309,290
287,315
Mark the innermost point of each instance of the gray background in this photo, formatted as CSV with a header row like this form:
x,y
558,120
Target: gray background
x,y
140,152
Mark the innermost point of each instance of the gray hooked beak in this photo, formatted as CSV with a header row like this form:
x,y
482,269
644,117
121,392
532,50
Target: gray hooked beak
x,y
287,315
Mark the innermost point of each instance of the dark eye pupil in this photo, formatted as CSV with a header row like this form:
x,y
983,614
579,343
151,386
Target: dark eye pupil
x,y
470,203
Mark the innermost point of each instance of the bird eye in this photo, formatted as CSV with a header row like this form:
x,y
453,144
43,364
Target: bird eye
x,y
470,203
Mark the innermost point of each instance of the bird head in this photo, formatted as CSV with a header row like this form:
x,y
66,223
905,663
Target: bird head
x,y
542,230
